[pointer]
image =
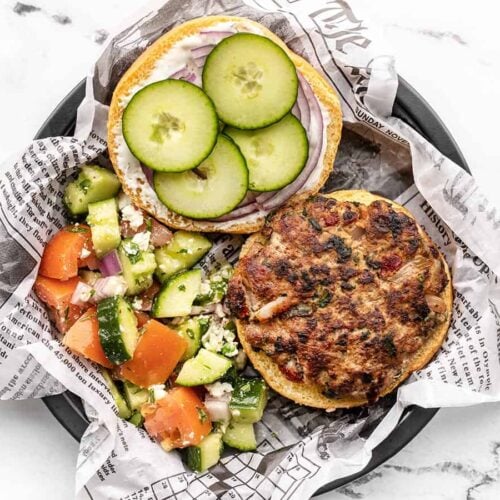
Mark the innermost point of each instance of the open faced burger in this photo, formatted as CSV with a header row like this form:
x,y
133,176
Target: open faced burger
x,y
217,123
340,298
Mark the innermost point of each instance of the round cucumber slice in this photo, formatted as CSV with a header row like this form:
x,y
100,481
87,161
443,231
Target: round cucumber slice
x,y
170,126
212,189
251,81
275,155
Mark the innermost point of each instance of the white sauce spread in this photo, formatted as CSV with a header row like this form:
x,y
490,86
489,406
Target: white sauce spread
x,y
178,57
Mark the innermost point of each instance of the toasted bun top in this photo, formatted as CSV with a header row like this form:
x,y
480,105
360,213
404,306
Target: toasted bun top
x,y
373,327
133,179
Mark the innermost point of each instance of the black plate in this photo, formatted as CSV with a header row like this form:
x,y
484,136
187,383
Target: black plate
x,y
410,107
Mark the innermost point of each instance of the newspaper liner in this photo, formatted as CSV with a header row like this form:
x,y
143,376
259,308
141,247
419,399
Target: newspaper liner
x,y
299,449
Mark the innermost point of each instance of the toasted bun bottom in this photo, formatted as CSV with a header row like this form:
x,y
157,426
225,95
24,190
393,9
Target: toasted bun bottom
x,y
143,67
309,394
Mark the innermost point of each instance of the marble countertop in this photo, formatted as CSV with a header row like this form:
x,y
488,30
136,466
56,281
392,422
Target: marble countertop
x,y
447,50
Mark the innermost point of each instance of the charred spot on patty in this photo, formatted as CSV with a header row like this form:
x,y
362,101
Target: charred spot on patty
x,y
338,244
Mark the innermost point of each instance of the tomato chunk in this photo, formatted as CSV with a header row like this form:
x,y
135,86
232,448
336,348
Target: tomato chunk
x,y
56,294
83,338
61,256
157,353
178,420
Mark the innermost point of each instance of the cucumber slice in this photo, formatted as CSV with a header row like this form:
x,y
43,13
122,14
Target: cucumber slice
x,y
251,81
248,400
240,436
170,126
117,329
93,184
136,419
138,266
177,295
121,405
205,455
135,395
206,367
184,251
191,330
214,188
275,155
104,225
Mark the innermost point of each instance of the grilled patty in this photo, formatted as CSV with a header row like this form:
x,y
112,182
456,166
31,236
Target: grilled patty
x,y
340,295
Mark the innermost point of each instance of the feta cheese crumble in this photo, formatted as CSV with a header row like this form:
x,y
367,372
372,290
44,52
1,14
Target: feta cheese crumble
x,y
142,240
158,391
219,389
84,253
220,339
133,216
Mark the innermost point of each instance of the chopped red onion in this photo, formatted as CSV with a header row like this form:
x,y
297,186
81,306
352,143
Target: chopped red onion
x,y
218,410
82,294
109,287
110,264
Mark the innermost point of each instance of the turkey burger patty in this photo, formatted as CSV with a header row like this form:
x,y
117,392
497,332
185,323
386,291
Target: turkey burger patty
x,y
339,298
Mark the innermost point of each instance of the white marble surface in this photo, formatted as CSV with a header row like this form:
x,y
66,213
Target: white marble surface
x,y
448,50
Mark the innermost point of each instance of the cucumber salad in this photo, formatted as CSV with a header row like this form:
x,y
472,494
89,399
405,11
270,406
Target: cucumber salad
x,y
124,292
225,135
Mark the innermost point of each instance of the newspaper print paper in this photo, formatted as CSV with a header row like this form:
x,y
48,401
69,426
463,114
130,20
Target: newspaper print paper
x,y
299,449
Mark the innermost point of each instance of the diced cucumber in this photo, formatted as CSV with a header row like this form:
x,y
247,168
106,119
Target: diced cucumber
x,y
212,189
240,436
170,125
136,419
104,225
248,400
251,81
177,295
92,184
275,155
206,367
135,395
191,330
117,329
123,409
205,455
138,266
184,251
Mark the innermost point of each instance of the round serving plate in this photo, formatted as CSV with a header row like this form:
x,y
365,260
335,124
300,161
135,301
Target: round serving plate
x,y
411,108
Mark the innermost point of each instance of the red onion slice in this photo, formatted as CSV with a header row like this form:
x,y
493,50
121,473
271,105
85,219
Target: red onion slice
x,y
184,73
148,173
220,35
110,264
315,133
296,111
180,73
303,105
202,51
